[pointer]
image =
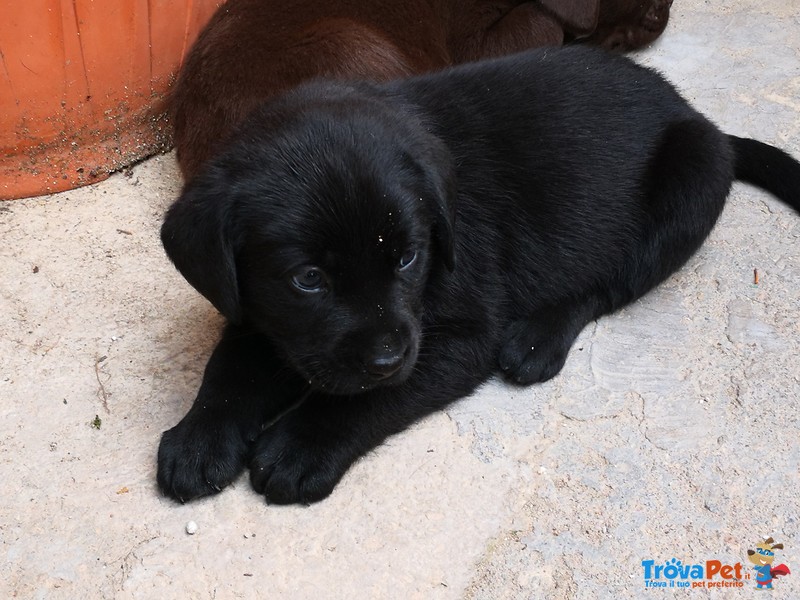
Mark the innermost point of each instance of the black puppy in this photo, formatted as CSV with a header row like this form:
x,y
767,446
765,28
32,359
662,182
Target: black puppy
x,y
380,250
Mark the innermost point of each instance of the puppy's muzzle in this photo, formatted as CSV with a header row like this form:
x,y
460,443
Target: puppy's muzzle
x,y
386,358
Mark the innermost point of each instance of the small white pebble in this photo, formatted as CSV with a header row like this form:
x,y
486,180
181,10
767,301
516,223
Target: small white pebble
x,y
191,528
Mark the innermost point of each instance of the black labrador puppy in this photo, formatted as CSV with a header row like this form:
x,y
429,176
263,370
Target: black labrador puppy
x,y
381,250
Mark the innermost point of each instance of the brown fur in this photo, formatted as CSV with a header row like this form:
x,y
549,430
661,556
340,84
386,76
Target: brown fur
x,y
626,24
254,49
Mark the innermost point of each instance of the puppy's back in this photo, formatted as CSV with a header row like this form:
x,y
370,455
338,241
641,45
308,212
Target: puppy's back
x,y
572,93
556,148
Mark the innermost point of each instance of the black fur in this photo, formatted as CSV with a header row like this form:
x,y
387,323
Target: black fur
x,y
381,250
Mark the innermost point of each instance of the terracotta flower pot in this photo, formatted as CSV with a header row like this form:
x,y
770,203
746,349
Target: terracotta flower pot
x,y
82,86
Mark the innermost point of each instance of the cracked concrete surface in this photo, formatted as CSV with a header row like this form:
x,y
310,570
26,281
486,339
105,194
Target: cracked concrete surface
x,y
672,431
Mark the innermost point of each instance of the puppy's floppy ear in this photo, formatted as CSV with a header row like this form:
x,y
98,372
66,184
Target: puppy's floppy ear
x,y
435,164
198,235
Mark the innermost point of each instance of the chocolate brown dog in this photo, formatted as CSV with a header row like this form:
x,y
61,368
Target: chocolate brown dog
x,y
380,250
254,49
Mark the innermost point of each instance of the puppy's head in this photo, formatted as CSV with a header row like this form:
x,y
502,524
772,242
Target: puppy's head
x,y
320,226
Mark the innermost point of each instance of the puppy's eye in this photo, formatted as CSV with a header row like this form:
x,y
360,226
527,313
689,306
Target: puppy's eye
x,y
407,260
310,279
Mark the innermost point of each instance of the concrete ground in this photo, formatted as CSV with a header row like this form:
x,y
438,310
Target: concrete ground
x,y
672,432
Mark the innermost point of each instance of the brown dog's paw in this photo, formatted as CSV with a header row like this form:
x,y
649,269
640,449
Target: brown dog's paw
x,y
655,19
627,25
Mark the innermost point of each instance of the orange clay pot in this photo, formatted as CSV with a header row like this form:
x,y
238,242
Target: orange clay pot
x,y
82,86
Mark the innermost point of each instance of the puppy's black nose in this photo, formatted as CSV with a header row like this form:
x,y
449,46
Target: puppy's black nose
x,y
384,365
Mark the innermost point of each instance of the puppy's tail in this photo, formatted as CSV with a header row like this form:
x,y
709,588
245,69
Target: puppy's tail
x,y
769,168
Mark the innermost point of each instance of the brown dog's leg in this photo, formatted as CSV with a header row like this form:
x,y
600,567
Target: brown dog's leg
x,y
486,34
578,17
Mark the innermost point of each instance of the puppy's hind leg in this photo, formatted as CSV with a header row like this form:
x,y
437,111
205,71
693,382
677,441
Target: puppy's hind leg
x,y
536,348
685,187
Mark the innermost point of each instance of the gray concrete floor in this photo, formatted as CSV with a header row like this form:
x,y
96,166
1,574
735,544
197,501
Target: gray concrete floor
x,y
671,433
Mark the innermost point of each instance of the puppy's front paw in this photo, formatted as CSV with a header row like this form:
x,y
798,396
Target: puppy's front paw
x,y
297,462
533,353
199,456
